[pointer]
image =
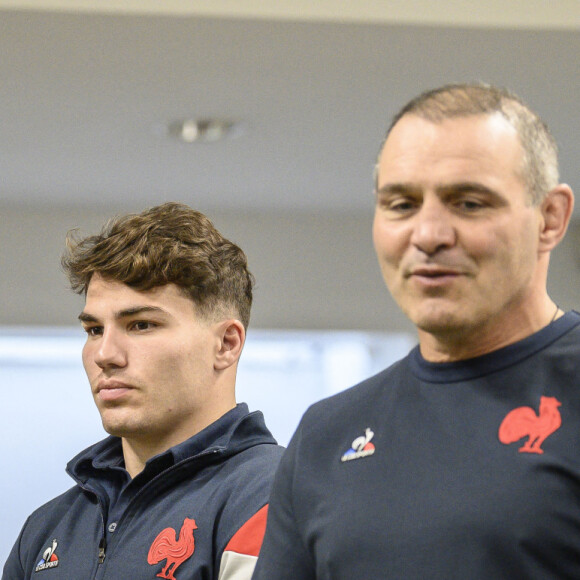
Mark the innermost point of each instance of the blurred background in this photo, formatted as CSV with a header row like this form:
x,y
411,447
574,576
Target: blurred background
x,y
265,115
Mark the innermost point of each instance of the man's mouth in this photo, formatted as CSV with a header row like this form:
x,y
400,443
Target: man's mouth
x,y
433,272
111,390
433,276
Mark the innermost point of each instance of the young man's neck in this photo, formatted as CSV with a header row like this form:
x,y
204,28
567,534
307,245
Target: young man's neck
x,y
137,450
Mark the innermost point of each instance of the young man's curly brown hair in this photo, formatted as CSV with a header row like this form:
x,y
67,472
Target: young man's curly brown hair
x,y
169,243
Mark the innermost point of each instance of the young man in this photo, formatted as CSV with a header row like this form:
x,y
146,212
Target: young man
x,y
180,488
461,460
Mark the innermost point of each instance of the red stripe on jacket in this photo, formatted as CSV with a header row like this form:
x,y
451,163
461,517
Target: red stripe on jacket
x,y
248,539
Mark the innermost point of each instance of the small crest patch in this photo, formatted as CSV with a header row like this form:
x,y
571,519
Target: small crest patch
x,y
361,447
49,558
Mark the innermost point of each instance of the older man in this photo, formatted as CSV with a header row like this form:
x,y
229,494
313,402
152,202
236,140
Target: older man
x,y
461,460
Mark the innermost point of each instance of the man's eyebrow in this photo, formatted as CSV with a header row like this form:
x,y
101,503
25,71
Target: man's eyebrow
x,y
392,188
125,313
406,188
466,186
84,317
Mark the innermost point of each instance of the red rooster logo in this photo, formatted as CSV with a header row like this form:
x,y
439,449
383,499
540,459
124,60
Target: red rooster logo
x,y
176,550
523,421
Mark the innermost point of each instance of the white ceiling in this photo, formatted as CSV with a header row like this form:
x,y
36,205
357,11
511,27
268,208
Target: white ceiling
x,y
88,87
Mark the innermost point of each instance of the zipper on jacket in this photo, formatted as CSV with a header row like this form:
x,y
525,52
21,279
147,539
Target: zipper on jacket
x,y
102,553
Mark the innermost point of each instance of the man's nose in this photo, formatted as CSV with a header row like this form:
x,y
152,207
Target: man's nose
x,y
433,228
110,351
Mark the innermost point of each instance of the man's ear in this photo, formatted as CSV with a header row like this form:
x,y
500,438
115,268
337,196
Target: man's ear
x,y
556,211
232,335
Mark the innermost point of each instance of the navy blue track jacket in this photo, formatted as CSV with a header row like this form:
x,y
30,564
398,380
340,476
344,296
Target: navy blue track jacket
x,y
197,511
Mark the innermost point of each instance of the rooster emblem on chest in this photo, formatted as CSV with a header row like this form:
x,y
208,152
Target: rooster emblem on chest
x,y
167,546
523,421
